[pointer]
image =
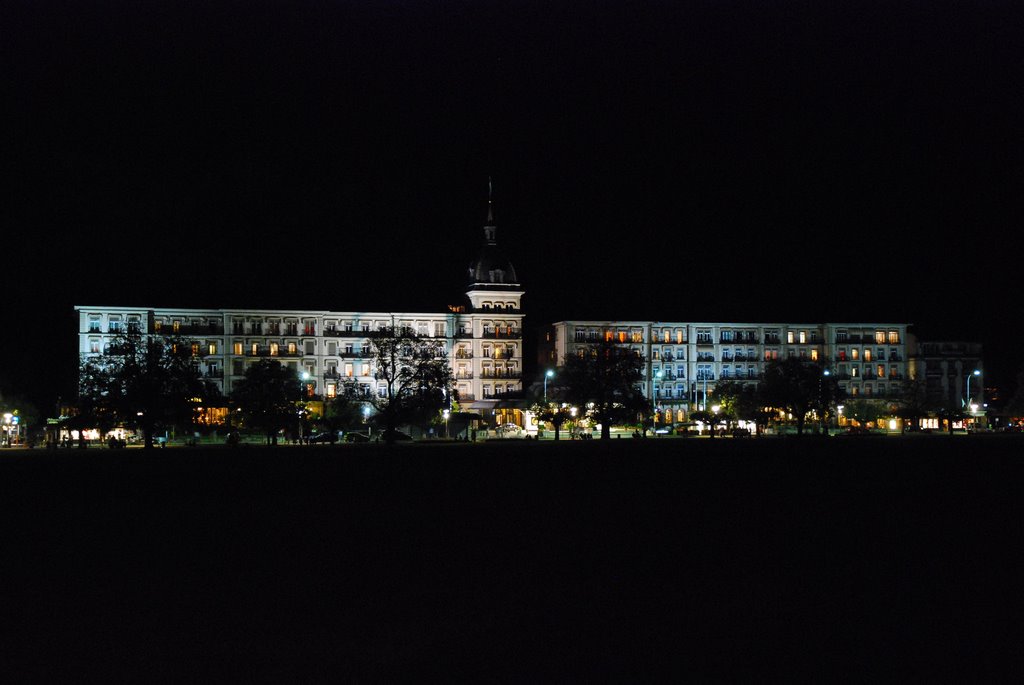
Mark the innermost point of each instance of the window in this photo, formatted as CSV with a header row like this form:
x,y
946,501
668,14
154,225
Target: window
x,y
237,348
365,328
841,336
680,338
293,348
310,347
212,348
195,349
176,326
814,355
438,329
726,336
880,337
114,326
274,349
348,370
880,369
638,336
803,336
94,345
894,337
366,369
331,392
789,337
854,371
622,336
771,355
237,367
867,354
608,336
855,354
94,324
255,349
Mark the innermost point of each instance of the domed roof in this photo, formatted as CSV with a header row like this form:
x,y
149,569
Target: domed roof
x,y
492,266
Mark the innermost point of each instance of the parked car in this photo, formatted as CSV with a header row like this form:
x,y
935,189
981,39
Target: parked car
x,y
357,437
327,436
395,436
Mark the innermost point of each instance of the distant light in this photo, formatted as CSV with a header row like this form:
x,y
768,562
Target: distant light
x,y
549,373
827,372
977,372
892,424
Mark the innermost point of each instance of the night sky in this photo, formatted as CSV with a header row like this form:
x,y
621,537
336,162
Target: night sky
x,y
680,161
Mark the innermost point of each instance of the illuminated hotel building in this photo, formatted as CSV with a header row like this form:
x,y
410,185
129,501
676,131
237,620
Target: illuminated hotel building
x,y
482,339
684,360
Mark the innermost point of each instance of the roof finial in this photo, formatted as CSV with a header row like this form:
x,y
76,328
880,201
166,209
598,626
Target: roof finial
x,y
490,204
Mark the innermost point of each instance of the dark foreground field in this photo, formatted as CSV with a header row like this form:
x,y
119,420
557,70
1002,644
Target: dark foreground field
x,y
840,559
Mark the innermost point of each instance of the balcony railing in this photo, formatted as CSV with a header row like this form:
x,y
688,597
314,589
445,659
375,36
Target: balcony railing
x,y
465,376
331,375
214,374
500,374
267,352
705,341
463,355
345,334
499,333
705,357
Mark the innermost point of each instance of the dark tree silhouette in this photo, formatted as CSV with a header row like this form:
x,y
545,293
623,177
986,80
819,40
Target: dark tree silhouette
x,y
416,377
268,397
604,381
796,387
142,381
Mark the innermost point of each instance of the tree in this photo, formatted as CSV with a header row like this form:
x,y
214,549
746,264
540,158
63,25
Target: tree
x,y
415,376
142,381
267,396
797,387
865,411
555,414
604,380
913,402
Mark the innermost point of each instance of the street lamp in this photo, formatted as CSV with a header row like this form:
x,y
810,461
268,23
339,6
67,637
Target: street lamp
x,y
821,398
446,414
547,374
976,372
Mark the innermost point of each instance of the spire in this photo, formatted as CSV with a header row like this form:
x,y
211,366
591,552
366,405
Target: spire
x,y
490,230
490,202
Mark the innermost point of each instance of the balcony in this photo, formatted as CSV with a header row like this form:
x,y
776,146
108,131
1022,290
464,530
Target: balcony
x,y
267,352
464,376
214,374
466,396
211,329
360,354
344,334
499,333
772,340
459,354
499,373
704,357
704,341
464,335
331,375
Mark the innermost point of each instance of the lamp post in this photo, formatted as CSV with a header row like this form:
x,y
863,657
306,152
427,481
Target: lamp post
x,y
446,413
821,400
366,419
547,374
976,372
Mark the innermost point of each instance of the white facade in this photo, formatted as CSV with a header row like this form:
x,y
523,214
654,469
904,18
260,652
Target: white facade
x,y
483,341
686,359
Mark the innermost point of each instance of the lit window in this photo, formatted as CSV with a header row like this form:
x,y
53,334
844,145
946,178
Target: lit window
x,y
237,348
292,349
867,354
880,369
608,336
195,349
622,336
894,337
274,349
94,345
331,391
789,336
855,354
176,326
255,349
213,348
880,337
348,370
814,355
803,336
679,337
